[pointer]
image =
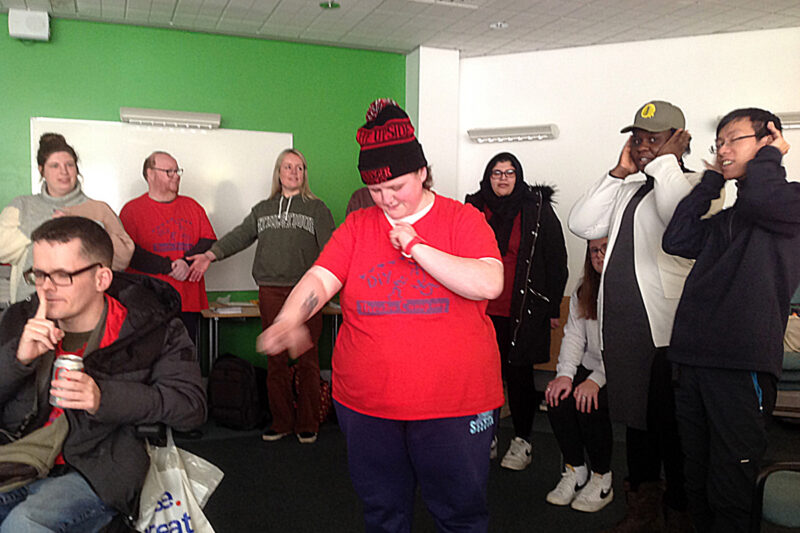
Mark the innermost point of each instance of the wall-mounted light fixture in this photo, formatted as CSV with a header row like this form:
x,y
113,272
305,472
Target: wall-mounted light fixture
x,y
790,121
163,117
514,134
448,3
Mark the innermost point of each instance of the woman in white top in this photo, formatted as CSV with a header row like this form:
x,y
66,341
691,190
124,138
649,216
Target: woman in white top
x,y
578,401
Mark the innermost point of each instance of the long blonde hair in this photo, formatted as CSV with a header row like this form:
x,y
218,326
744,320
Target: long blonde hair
x,y
305,190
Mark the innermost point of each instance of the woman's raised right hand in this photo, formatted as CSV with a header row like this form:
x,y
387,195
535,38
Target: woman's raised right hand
x,y
282,336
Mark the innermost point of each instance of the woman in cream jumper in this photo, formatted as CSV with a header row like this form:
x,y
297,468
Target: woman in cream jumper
x,y
61,195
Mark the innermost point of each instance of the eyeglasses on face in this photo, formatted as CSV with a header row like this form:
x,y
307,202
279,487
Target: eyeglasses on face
x,y
595,250
719,143
508,173
171,172
60,278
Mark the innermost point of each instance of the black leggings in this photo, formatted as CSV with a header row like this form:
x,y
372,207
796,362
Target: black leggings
x,y
522,395
576,431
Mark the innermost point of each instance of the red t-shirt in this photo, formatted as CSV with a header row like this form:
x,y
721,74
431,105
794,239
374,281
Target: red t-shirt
x,y
170,229
408,348
501,306
114,319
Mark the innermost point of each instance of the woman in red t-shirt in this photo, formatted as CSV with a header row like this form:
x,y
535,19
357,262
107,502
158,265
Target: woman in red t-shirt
x,y
416,373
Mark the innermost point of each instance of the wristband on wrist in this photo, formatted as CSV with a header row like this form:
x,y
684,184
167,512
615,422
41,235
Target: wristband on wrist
x,y
413,242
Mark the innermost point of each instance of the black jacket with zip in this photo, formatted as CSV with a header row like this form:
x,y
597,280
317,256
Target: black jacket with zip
x,y
540,276
735,302
149,374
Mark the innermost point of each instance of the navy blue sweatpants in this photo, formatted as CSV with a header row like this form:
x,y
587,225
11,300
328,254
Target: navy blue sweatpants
x,y
447,457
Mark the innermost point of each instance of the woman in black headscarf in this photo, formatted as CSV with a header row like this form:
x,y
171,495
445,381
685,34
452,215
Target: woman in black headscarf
x,y
531,242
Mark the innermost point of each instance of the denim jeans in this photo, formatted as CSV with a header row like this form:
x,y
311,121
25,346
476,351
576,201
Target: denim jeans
x,y
64,504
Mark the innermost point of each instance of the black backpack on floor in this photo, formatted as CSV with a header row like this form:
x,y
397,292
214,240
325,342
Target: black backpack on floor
x,y
234,394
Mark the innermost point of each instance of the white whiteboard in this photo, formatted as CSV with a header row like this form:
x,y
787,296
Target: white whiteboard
x,y
226,171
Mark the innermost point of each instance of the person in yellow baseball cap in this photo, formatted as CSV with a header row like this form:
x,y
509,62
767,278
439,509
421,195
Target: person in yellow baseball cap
x,y
638,295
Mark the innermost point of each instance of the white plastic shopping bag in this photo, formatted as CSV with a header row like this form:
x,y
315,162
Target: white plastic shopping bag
x,y
175,490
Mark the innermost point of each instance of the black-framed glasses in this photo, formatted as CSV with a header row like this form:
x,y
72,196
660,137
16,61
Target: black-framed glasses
x,y
170,171
508,173
719,143
60,278
598,250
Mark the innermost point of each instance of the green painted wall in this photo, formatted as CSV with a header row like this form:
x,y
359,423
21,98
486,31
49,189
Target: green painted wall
x,y
89,70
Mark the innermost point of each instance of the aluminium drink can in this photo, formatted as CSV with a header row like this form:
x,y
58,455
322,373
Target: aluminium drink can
x,y
66,361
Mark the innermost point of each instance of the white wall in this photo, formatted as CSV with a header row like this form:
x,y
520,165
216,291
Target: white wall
x,y
432,85
592,92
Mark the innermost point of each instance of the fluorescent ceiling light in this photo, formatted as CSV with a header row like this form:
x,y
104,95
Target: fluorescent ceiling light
x,y
449,3
514,134
163,117
790,121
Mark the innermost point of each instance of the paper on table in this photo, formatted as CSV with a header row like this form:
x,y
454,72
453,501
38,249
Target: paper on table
x,y
228,310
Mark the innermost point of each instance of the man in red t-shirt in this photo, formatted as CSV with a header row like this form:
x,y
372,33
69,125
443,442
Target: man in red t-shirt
x,y
167,228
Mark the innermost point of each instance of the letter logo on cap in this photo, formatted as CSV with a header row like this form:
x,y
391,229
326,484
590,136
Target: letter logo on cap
x,y
648,111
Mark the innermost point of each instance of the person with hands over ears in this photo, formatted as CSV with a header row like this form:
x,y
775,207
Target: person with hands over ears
x,y
578,400
531,241
139,368
727,342
291,227
639,291
168,228
61,194
416,370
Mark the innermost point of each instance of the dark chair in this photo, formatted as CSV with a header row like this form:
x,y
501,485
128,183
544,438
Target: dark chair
x,y
777,496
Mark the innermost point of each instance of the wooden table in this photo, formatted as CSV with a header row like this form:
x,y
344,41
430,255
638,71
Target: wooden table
x,y
248,310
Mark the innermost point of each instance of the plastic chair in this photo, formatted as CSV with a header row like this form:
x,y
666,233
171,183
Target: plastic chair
x,y
777,496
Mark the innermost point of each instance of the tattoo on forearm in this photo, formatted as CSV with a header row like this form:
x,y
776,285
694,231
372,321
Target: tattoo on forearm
x,y
310,304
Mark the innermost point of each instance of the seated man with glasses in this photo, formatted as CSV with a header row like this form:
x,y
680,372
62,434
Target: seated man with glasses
x,y
638,295
167,228
728,337
139,367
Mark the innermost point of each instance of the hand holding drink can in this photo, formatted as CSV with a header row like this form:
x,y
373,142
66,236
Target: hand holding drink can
x,y
64,362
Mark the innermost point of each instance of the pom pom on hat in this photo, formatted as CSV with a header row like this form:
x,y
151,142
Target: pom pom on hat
x,y
377,106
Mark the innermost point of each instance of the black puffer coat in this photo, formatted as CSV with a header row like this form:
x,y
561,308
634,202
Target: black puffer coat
x,y
540,276
148,375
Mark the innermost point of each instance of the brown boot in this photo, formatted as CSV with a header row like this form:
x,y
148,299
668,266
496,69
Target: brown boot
x,y
677,521
644,510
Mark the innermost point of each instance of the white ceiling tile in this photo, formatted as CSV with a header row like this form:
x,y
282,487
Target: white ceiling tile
x,y
402,7
62,7
281,31
397,25
318,35
557,8
114,15
133,15
35,5
776,21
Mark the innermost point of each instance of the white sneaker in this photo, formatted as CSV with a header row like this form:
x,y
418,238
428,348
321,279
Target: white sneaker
x,y
595,495
493,449
518,456
567,488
